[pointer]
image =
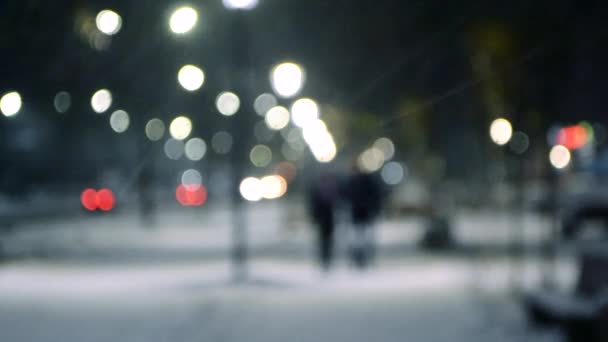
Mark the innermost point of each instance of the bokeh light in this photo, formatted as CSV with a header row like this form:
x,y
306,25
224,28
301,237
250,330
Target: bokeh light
x,y
273,187
105,199
180,128
371,160
101,101
62,101
263,103
108,22
386,146
240,4
174,149
88,199
251,189
573,137
221,142
191,196
393,173
191,77
155,129
119,121
277,118
260,155
501,131
10,103
290,153
559,157
228,103
195,149
304,111
183,20
287,79
191,179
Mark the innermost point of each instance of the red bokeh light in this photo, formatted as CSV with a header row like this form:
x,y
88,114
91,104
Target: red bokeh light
x,y
88,198
191,196
572,137
105,199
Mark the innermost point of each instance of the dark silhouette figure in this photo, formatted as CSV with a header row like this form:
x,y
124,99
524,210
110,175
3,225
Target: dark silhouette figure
x,y
363,194
322,202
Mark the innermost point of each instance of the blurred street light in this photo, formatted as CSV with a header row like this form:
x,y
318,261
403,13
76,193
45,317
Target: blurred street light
x,y
559,156
240,4
287,79
119,121
10,103
304,111
101,101
277,118
191,77
228,103
501,131
183,20
108,22
180,128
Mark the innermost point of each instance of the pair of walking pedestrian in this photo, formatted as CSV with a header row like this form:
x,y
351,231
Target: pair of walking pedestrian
x,y
360,194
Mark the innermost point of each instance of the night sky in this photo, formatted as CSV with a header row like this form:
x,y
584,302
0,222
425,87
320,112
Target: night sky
x,y
388,67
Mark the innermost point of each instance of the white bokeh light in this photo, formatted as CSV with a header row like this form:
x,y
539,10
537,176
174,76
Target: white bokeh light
x,y
180,128
304,111
501,131
251,189
10,103
240,4
101,101
108,22
192,179
174,149
560,157
263,103
119,121
155,129
277,118
191,77
227,103
195,149
287,79
183,20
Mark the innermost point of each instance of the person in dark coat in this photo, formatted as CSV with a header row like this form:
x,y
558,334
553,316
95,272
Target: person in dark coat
x,y
323,199
363,193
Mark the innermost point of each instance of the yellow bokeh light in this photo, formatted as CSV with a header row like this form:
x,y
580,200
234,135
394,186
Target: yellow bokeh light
x,y
277,118
108,22
180,128
273,187
183,20
287,79
191,77
10,103
101,101
371,160
501,131
560,157
304,112
386,146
